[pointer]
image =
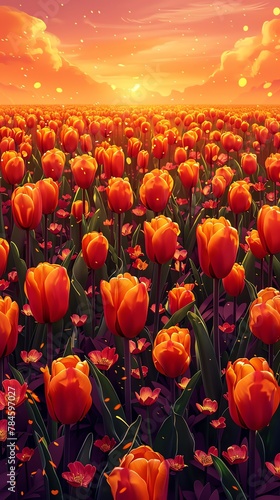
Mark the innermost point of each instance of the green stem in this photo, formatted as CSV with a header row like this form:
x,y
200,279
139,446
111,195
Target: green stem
x,y
127,388
216,339
93,299
46,238
28,255
262,276
252,464
270,355
67,447
150,441
157,304
119,235
49,345
270,269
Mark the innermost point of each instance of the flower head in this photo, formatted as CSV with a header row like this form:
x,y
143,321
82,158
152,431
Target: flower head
x,y
79,475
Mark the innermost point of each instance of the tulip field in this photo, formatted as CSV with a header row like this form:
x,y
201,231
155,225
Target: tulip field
x,y
140,303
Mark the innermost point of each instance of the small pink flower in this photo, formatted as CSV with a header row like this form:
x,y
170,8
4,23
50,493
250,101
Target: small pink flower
x,y
147,396
31,357
13,276
161,308
134,252
3,429
205,459
139,210
4,284
184,382
139,346
26,454
105,444
219,424
177,464
182,201
140,264
227,328
108,222
104,359
79,475
147,282
55,228
26,310
210,204
127,229
208,406
49,245
65,252
78,320
236,454
275,467
15,388
62,214
135,372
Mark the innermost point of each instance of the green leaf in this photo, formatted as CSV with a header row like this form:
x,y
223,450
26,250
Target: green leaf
x,y
200,290
67,260
112,410
52,479
251,289
21,270
94,222
68,349
134,239
36,252
80,303
182,402
209,366
231,487
125,445
84,455
2,227
190,235
99,205
179,315
166,438
80,270
174,437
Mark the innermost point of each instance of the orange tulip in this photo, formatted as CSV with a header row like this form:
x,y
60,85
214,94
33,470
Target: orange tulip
x,y
272,166
49,192
84,169
216,237
143,160
113,161
234,282
68,389
228,141
172,351
189,173
249,163
268,226
4,253
12,166
133,147
239,197
47,288
180,155
125,303
143,474
69,139
95,249
160,239
252,385
264,315
119,194
189,139
159,146
53,162
211,152
180,296
77,210
254,242
26,203
45,139
226,172
219,185
86,143
9,312
156,189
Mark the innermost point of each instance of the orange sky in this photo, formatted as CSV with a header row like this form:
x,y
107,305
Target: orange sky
x,y
135,52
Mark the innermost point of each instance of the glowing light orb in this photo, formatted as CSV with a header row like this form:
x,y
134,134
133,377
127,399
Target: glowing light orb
x,y
59,90
242,82
276,11
37,85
